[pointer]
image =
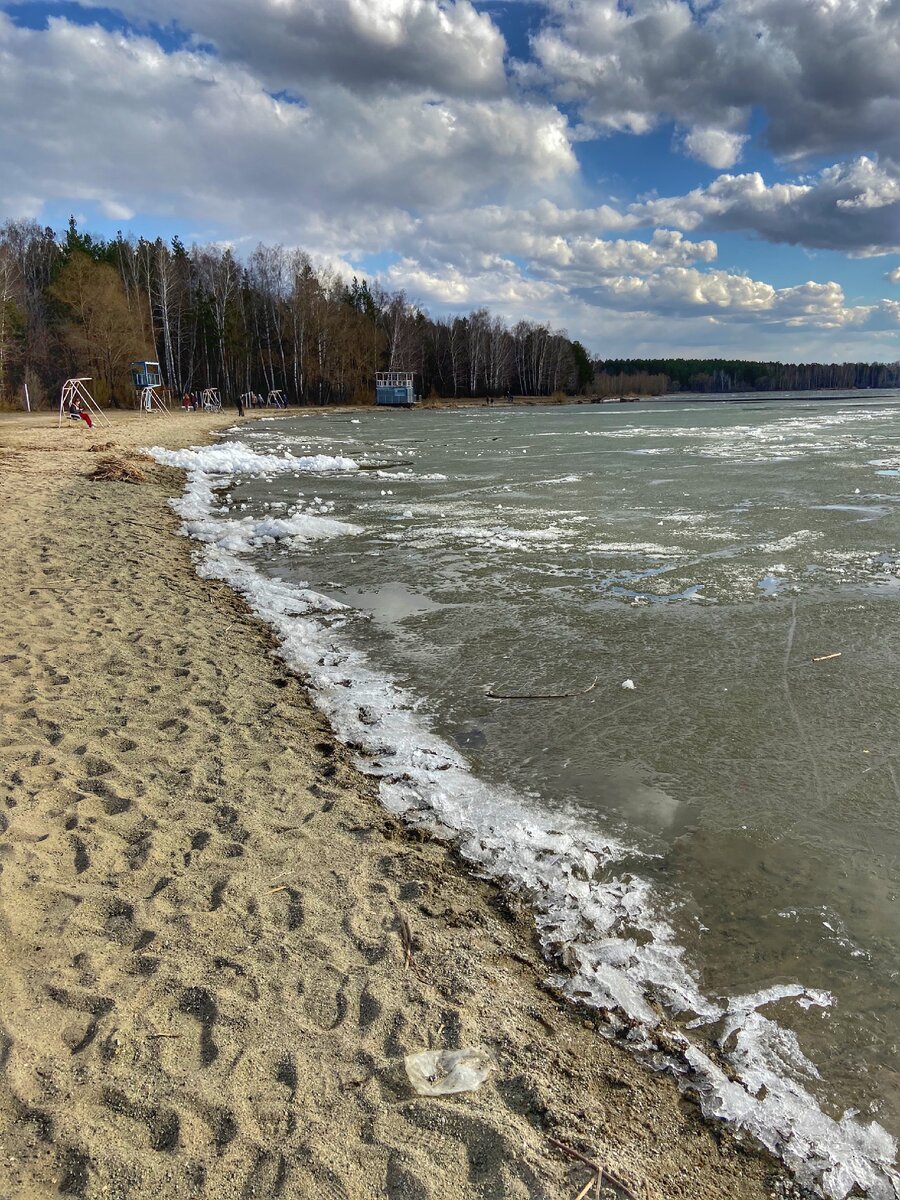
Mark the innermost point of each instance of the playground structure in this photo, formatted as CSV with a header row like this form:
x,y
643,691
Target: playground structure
x,y
210,400
276,399
395,389
147,381
76,389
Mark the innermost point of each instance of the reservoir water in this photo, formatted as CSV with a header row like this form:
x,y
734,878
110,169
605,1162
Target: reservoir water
x,y
709,592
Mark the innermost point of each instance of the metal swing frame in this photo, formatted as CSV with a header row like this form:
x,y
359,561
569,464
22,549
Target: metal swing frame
x,y
75,389
151,398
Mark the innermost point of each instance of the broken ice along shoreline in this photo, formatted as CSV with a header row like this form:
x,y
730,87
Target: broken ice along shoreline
x,y
598,922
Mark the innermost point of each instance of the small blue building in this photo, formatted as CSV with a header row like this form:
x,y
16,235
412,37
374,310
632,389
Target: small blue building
x,y
146,375
395,388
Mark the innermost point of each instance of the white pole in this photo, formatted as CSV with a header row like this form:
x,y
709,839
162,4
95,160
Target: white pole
x,y
27,401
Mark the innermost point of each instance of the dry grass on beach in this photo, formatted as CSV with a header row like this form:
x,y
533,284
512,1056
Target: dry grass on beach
x,y
216,946
120,468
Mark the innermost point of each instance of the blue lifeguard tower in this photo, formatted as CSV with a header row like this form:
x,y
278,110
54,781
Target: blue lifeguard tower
x,y
147,380
145,374
395,389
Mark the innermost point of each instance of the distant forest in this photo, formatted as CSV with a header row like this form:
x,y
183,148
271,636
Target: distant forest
x,y
83,305
658,376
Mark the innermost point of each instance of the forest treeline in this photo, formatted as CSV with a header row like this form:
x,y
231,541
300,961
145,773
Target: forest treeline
x,y
83,305
659,376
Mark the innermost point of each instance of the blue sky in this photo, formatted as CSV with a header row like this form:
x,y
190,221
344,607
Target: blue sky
x,y
658,177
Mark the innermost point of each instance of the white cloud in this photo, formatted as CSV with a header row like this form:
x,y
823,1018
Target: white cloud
x,y
717,148
504,288
440,46
686,291
117,120
560,243
893,276
822,71
650,280
852,206
407,137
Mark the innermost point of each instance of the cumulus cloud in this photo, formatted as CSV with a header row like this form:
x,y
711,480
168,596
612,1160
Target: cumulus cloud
x,y
504,287
656,279
686,291
360,126
717,148
852,206
441,46
822,71
893,276
115,119
562,243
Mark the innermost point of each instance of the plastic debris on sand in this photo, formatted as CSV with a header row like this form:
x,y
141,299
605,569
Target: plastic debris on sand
x,y
446,1072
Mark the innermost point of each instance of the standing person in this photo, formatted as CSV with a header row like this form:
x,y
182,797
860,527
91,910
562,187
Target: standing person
x,y
240,406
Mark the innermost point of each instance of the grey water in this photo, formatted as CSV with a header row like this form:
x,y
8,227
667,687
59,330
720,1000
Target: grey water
x,y
710,554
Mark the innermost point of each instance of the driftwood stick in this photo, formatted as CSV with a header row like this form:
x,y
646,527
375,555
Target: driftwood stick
x,y
595,1166
582,1158
827,657
539,696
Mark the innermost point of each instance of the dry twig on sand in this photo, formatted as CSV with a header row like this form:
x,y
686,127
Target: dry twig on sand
x,y
117,468
828,657
406,939
539,695
599,1172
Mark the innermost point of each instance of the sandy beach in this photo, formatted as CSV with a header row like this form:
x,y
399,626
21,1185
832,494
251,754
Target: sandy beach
x,y
217,947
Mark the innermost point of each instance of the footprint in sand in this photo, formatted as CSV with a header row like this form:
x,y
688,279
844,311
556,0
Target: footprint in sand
x,y
323,1001
162,1124
200,1004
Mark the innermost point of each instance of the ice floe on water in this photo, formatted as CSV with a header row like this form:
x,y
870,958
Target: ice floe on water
x,y
249,533
234,458
596,917
779,440
650,549
501,537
